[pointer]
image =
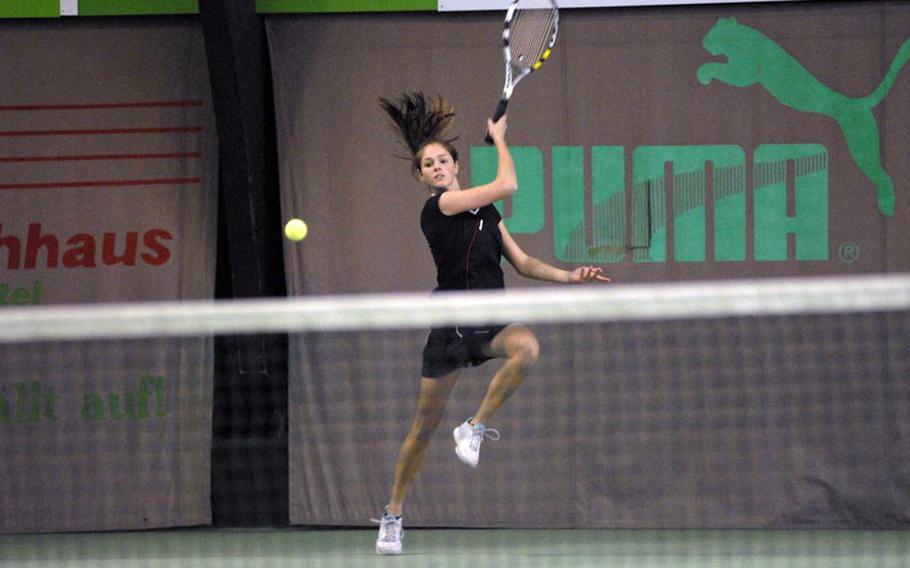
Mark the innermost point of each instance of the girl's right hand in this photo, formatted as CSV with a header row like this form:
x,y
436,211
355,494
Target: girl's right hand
x,y
497,130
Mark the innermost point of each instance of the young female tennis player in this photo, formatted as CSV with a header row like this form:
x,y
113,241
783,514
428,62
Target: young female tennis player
x,y
467,239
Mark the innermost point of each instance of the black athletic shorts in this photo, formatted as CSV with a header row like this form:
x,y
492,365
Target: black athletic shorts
x,y
450,348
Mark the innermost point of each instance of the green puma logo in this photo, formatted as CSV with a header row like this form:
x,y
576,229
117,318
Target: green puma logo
x,y
753,57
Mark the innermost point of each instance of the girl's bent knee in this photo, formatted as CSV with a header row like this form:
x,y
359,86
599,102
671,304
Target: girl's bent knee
x,y
526,349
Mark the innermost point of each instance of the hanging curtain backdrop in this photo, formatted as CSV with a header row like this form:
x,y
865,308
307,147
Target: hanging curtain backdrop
x,y
107,194
665,145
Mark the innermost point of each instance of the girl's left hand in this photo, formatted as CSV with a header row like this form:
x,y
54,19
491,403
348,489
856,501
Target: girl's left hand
x,y
584,274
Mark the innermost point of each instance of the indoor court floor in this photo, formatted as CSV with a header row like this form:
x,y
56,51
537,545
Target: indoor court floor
x,y
499,548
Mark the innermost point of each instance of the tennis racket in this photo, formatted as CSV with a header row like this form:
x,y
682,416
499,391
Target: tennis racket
x,y
528,36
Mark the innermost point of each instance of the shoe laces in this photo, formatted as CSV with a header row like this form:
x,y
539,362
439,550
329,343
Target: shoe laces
x,y
479,433
390,527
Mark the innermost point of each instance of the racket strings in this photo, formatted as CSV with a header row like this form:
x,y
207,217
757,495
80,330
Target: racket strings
x,y
531,32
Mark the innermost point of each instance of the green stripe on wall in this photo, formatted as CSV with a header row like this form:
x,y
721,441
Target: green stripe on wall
x,y
135,7
310,6
29,8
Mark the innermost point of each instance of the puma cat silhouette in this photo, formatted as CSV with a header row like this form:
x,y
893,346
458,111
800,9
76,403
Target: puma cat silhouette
x,y
754,58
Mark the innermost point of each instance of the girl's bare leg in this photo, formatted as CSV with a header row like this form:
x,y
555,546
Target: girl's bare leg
x,y
434,395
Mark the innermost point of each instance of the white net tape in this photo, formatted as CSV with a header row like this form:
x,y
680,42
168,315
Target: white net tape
x,y
419,310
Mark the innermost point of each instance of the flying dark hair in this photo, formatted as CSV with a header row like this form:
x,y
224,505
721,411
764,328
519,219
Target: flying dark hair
x,y
421,120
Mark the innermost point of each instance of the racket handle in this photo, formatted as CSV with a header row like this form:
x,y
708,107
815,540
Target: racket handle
x,y
500,109
497,114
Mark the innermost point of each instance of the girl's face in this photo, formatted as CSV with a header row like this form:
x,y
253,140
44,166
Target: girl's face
x,y
437,168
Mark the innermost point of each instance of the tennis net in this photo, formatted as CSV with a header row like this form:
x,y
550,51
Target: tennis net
x,y
772,403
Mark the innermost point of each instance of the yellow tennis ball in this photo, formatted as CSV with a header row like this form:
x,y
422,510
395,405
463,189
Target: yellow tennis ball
x,y
295,229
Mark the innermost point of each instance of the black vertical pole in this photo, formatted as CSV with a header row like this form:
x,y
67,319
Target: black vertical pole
x,y
250,407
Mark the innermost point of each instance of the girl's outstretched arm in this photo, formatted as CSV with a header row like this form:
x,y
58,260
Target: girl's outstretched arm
x,y
531,267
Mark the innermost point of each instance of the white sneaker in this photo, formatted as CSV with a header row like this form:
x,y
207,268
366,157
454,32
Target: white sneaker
x,y
468,439
390,534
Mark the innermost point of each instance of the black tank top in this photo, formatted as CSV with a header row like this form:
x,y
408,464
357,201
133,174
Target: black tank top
x,y
467,247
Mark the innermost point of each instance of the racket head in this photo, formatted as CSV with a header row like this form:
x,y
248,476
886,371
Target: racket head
x,y
529,34
528,37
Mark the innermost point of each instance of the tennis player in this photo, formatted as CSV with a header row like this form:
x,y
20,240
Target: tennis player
x,y
467,239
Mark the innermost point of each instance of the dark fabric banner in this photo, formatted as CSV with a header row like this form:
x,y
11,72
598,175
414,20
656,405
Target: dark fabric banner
x,y
108,181
665,145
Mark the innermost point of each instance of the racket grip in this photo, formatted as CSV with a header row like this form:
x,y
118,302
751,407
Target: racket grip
x,y
497,114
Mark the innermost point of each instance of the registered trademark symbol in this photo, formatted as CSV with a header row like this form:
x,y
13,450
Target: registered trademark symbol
x,y
848,252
